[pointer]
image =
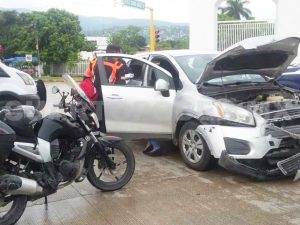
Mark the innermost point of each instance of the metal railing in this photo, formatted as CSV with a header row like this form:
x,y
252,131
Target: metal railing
x,y
231,32
77,70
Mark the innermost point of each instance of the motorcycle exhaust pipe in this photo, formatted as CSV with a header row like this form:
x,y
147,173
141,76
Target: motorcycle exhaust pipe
x,y
15,185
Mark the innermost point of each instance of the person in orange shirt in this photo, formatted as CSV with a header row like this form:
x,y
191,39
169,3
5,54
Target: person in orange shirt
x,y
116,67
87,84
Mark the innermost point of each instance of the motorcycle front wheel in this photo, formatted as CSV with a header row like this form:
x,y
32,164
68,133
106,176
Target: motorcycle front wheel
x,y
11,210
107,179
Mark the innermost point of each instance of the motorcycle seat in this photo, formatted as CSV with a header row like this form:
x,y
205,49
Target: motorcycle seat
x,y
22,119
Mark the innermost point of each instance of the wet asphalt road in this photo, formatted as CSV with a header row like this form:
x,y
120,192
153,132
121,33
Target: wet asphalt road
x,y
164,191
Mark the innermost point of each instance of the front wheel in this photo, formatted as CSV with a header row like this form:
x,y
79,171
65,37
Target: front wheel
x,y
193,148
107,179
12,208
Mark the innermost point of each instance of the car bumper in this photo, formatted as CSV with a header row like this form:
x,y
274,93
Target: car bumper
x,y
235,147
33,100
230,163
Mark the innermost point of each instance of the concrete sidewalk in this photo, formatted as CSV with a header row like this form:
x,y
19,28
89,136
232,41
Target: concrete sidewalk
x,y
164,191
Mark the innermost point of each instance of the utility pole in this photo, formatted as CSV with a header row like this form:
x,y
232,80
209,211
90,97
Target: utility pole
x,y
37,48
152,31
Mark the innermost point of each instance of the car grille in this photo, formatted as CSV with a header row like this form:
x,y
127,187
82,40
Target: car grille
x,y
281,115
289,165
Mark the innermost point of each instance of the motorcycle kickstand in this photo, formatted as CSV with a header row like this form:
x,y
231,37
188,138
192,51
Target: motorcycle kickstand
x,y
46,202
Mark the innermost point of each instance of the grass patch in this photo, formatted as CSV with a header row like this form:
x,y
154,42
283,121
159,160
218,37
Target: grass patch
x,y
58,79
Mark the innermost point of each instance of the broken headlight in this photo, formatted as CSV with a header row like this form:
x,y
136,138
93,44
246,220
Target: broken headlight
x,y
234,113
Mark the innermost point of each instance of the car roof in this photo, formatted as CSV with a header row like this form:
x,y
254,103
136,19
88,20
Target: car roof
x,y
181,52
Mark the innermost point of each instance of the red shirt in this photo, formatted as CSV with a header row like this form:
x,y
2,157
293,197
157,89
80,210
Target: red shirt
x,y
89,89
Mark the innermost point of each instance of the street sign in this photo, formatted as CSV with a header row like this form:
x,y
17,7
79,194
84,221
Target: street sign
x,y
134,4
28,58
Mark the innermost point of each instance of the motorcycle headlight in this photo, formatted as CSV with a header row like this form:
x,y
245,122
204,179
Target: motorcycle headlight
x,y
234,113
95,120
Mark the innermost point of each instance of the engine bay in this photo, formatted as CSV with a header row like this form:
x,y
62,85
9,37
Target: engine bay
x,y
276,106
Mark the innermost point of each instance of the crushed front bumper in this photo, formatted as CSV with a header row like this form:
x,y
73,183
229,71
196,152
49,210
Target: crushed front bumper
x,y
251,150
287,167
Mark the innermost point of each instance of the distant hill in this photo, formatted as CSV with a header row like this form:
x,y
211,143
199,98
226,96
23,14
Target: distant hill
x,y
89,23
103,26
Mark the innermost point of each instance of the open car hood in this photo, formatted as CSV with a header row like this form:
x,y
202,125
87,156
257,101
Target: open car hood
x,y
268,55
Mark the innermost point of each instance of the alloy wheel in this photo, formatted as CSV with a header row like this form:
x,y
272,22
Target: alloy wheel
x,y
192,146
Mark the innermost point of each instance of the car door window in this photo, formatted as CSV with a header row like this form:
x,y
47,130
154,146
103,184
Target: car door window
x,y
167,65
129,72
154,74
138,70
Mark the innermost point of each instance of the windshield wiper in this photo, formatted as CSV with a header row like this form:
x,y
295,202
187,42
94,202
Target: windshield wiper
x,y
212,84
243,82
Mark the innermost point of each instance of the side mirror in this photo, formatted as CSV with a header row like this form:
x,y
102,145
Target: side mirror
x,y
55,90
161,85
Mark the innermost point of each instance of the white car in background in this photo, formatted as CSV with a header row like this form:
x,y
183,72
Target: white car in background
x,y
228,108
19,88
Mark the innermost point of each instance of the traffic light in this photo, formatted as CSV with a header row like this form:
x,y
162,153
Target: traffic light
x,y
157,35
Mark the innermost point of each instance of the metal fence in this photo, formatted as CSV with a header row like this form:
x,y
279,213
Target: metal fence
x,y
77,70
231,32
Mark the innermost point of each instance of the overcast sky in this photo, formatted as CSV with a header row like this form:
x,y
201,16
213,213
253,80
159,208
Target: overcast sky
x,y
168,10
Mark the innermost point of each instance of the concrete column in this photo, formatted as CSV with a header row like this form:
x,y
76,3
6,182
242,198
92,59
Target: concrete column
x,y
203,24
288,17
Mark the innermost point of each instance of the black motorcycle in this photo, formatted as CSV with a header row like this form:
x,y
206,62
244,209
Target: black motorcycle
x,y
39,155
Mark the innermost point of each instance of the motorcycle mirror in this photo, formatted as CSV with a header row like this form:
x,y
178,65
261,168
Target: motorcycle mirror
x,y
55,90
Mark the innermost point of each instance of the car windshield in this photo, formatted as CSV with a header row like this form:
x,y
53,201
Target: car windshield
x,y
70,81
237,79
194,65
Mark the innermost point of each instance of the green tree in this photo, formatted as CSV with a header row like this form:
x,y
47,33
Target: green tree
x,y
129,39
223,17
236,9
57,32
61,37
8,21
173,44
88,46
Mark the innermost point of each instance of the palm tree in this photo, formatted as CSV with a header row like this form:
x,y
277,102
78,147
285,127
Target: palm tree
x,y
236,9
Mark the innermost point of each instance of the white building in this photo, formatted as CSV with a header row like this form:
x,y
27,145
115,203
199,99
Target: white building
x,y
101,43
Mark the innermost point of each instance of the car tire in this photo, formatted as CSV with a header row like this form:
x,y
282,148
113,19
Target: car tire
x,y
193,148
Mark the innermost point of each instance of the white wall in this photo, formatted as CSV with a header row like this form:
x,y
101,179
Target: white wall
x,y
203,24
288,17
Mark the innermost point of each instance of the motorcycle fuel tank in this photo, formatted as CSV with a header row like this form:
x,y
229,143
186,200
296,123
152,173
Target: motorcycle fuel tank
x,y
57,125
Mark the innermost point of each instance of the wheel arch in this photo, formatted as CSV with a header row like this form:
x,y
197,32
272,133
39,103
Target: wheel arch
x,y
180,122
9,95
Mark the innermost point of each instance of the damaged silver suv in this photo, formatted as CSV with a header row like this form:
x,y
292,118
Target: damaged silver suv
x,y
228,108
